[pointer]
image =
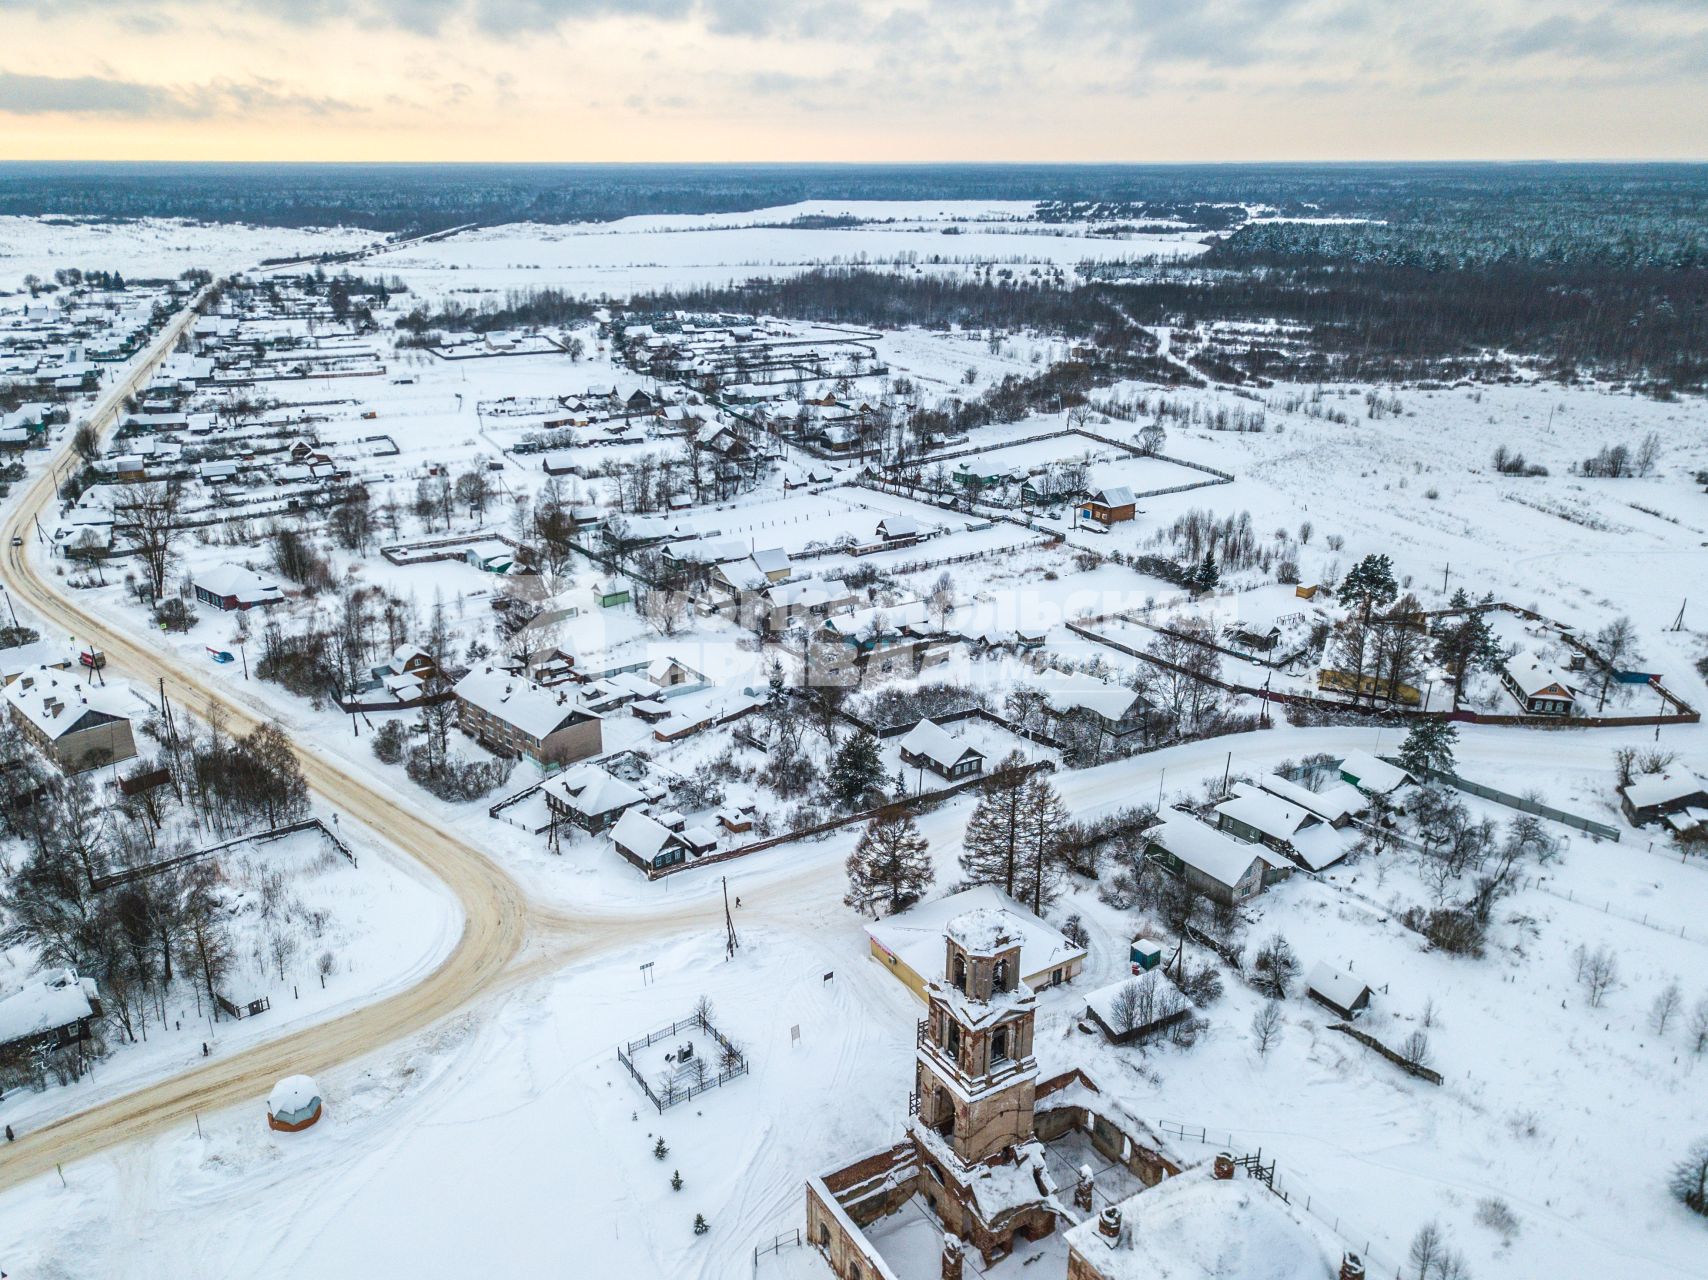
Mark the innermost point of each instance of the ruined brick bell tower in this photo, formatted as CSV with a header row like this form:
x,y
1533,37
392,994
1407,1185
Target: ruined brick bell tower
x,y
975,1084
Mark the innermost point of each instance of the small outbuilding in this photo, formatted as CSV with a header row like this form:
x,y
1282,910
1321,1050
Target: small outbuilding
x,y
1137,1008
1337,990
1655,797
294,1104
1146,953
1372,775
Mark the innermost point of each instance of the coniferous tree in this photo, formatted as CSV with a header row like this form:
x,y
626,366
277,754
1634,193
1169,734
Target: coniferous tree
x,y
1369,586
993,840
1043,829
891,864
855,771
1428,746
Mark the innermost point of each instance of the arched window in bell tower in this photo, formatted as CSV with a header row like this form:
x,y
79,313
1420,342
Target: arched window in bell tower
x,y
999,1044
999,975
960,972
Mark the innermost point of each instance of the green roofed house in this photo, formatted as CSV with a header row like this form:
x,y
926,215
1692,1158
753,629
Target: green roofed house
x,y
611,592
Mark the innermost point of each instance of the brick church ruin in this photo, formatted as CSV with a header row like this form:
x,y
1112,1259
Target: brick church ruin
x,y
977,1151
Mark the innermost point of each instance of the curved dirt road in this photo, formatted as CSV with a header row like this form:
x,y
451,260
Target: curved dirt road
x,y
497,917
494,910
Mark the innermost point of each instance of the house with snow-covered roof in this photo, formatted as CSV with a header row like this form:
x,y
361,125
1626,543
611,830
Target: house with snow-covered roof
x,y
1284,824
1227,869
790,600
51,1012
1117,711
1540,687
589,797
515,716
1656,797
1337,990
647,842
930,746
1113,504
230,587
75,725
1373,775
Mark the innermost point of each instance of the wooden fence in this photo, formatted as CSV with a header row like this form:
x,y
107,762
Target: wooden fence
x,y
237,1012
909,805
1370,1042
129,875
1464,715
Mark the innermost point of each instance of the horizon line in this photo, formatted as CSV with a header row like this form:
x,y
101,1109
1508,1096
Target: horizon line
x,y
894,164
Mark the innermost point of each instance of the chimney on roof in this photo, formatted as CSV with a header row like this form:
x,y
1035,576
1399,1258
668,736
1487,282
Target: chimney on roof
x,y
1109,1225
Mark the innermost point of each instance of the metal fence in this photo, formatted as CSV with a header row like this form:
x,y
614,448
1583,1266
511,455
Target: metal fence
x,y
1377,1260
670,1092
777,1243
1521,803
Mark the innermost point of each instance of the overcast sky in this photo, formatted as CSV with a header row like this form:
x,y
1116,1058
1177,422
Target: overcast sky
x,y
1136,80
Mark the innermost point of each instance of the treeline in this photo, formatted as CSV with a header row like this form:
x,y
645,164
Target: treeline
x,y
1369,322
407,197
880,299
522,309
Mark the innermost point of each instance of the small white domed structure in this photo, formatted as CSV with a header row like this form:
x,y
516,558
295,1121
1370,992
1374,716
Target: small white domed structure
x,y
294,1104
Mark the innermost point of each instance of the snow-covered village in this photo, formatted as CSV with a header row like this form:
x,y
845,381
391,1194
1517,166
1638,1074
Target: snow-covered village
x,y
843,722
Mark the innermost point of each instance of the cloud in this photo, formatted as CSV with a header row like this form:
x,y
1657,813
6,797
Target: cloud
x,y
32,95
27,95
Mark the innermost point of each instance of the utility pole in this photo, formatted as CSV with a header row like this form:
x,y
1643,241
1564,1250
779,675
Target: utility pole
x,y
731,942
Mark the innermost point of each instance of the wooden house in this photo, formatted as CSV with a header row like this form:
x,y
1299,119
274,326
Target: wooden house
x,y
1111,505
930,746
1337,991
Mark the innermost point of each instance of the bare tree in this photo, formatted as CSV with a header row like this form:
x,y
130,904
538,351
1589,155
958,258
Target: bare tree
x,y
1124,1008
1598,971
281,949
1414,1052
1665,1007
1689,1181
1427,1246
151,516
1697,1027
1266,1026
1616,643
473,492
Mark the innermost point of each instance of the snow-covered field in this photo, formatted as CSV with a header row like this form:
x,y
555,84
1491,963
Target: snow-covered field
x,y
153,247
655,252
